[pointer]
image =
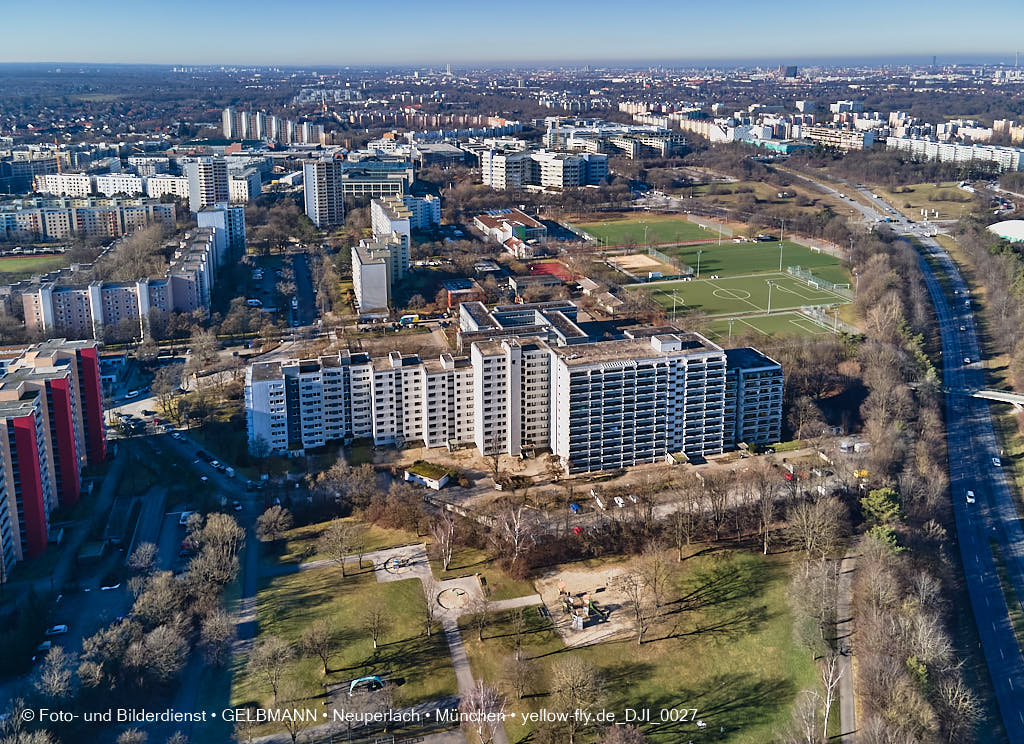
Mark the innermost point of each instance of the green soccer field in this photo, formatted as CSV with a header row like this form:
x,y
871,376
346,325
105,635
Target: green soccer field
x,y
748,258
661,228
777,324
738,295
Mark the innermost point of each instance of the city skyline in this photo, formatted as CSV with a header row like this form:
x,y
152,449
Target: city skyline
x,y
416,35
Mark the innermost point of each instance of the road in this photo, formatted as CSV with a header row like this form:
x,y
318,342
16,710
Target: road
x,y
972,444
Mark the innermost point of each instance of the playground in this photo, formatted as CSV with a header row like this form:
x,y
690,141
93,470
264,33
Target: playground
x,y
587,606
738,295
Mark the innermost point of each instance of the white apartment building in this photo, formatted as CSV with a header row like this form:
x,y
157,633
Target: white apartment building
x,y
77,185
425,211
370,275
244,185
207,182
149,165
302,404
597,406
389,215
324,192
111,184
1004,158
505,170
158,186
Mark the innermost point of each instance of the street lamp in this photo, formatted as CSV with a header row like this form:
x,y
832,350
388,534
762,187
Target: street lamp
x,y
698,262
675,298
770,285
782,236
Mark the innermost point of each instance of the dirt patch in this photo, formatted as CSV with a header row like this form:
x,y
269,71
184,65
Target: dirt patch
x,y
596,595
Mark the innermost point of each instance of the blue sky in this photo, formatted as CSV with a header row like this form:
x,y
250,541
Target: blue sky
x,y
347,32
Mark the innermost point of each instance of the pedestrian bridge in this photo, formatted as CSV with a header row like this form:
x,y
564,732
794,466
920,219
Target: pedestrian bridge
x,y
1015,399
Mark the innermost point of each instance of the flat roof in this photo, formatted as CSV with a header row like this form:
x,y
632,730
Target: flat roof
x,y
265,371
626,350
747,357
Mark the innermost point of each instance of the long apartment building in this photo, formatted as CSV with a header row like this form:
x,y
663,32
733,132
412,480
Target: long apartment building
x,y
93,309
51,427
90,217
518,169
596,405
1003,158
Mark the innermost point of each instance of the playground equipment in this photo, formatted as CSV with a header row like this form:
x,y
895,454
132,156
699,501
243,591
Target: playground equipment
x,y
580,608
365,684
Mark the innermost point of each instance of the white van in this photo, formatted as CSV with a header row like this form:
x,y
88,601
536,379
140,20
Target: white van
x,y
254,303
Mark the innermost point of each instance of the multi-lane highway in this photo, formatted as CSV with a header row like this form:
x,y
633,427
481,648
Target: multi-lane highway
x,y
974,465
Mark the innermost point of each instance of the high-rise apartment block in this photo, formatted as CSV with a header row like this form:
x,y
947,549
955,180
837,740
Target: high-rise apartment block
x,y
207,182
379,264
51,426
324,192
511,170
597,405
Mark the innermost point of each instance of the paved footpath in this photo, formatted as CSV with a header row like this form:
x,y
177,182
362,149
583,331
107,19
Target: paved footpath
x,y
409,562
844,638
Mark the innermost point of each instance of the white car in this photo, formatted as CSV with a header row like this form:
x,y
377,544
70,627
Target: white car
x,y
132,393
997,462
967,360
970,497
56,630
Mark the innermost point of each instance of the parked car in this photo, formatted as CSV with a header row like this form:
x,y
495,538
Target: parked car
x,y
996,462
970,497
56,630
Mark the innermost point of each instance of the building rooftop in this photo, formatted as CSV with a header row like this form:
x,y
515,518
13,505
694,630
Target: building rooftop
x,y
629,349
748,358
265,371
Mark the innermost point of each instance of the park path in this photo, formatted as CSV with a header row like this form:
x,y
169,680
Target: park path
x,y
844,639
412,562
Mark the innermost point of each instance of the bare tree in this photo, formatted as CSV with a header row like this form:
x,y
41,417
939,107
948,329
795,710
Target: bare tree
x,y
431,589
656,573
514,532
805,719
339,541
623,735
443,532
376,621
815,525
143,558
830,676
273,523
961,707
54,680
634,585
576,685
268,660
132,736
216,634
715,499
517,621
318,640
480,706
685,523
517,675
481,615
291,694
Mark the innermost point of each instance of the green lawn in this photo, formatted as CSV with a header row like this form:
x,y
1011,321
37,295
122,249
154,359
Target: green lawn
x,y
732,657
737,295
750,258
420,667
472,561
299,544
661,228
13,267
776,324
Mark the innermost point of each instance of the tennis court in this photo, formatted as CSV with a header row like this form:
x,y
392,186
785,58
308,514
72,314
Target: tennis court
x,y
739,295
